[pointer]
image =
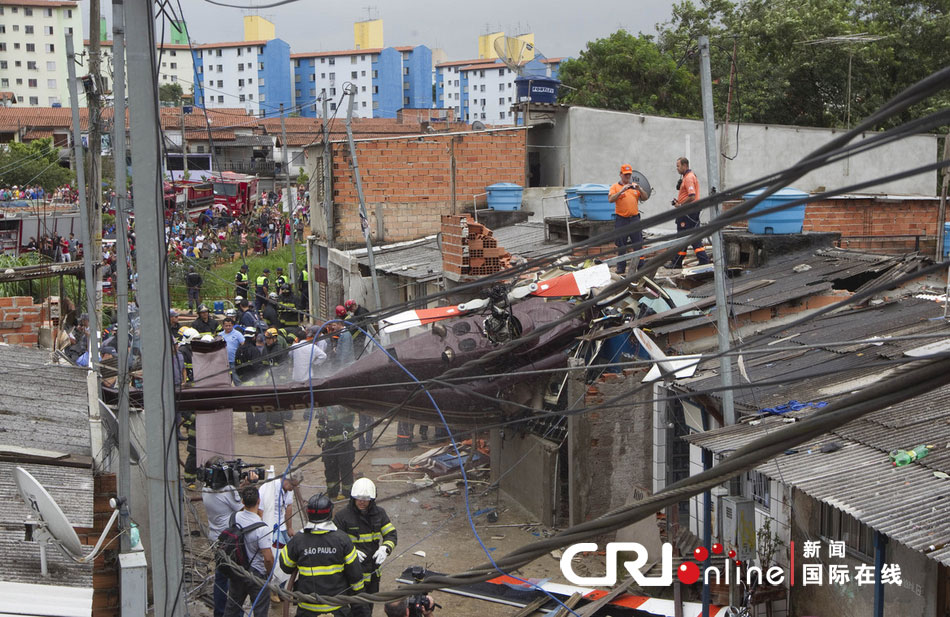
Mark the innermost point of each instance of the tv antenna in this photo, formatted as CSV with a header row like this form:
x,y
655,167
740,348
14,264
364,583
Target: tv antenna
x,y
51,526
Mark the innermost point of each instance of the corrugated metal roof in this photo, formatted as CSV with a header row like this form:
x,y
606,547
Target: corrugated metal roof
x,y
48,410
908,504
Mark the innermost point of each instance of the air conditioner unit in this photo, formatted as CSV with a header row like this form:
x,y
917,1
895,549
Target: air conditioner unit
x,y
737,516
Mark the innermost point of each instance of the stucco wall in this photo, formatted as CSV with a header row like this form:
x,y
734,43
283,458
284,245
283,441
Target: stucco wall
x,y
600,140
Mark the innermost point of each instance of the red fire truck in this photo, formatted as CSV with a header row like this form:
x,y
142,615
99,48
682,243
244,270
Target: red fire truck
x,y
200,196
235,194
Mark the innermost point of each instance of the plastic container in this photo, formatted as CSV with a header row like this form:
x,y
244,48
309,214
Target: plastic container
x,y
504,196
538,89
787,221
573,202
594,204
218,306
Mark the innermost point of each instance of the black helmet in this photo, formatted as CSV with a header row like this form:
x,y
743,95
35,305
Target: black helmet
x,y
203,308
319,508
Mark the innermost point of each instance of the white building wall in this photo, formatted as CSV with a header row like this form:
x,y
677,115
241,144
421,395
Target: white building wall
x,y
176,67
330,73
37,74
231,78
491,94
452,96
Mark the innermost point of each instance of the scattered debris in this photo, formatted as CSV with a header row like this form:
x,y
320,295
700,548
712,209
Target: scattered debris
x,y
801,268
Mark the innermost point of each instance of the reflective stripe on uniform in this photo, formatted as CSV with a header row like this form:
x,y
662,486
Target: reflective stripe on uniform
x,y
387,528
365,537
285,558
317,608
320,570
350,558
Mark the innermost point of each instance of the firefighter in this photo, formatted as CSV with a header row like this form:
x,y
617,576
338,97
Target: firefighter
x,y
336,426
280,280
323,558
372,533
287,308
261,289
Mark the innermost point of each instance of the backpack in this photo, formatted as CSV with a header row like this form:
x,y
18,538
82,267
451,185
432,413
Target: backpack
x,y
231,543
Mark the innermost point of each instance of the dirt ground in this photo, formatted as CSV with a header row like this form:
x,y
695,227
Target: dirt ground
x,y
425,520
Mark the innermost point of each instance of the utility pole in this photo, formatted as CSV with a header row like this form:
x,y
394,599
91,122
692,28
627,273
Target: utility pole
x,y
719,256
290,203
85,236
122,267
164,507
364,219
327,195
94,107
184,158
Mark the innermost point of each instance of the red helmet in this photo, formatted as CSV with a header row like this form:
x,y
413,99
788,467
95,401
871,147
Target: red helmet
x,y
340,311
350,304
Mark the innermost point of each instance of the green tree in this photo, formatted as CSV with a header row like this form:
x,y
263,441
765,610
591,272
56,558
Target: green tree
x,y
170,93
629,73
302,178
35,163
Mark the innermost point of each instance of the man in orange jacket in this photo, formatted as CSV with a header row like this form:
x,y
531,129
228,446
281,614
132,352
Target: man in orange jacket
x,y
626,196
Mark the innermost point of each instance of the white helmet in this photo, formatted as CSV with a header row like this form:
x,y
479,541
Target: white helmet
x,y
188,334
363,489
207,338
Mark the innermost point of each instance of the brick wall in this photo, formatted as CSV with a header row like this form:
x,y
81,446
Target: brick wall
x,y
408,182
105,570
20,321
874,224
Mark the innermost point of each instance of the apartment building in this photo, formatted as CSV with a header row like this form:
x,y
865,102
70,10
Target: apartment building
x,y
33,50
253,75
386,80
175,65
484,89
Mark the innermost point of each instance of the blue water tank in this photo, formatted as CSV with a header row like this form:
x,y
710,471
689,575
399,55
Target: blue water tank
x,y
538,89
573,202
594,204
504,196
787,221
946,239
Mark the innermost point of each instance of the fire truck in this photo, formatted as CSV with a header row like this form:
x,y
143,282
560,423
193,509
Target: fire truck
x,y
235,194
200,196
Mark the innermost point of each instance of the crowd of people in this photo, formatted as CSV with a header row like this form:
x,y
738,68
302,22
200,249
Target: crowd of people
x,y
64,194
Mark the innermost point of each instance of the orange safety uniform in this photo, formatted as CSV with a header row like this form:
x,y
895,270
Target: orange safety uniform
x,y
628,204
689,187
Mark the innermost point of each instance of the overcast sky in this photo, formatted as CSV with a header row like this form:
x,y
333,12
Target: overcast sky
x,y
560,29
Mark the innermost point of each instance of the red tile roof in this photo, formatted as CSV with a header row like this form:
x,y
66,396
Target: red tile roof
x,y
475,61
231,44
46,4
347,52
157,46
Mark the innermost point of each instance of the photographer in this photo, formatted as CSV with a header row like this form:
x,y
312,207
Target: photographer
x,y
411,607
220,502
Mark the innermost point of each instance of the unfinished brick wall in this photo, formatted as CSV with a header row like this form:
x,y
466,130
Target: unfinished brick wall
x,y
874,224
470,249
408,182
19,321
106,601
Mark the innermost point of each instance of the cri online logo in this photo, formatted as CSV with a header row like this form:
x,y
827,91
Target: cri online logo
x,y
688,573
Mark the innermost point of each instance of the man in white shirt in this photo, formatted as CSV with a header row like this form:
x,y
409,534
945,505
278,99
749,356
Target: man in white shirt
x,y
312,353
274,493
258,546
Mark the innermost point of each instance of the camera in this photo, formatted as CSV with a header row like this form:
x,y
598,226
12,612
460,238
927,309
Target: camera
x,y
421,602
228,473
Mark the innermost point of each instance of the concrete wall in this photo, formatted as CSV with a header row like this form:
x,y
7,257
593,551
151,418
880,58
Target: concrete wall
x,y
528,463
600,140
916,596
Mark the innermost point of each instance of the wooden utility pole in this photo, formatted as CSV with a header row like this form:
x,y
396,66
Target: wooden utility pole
x,y
94,184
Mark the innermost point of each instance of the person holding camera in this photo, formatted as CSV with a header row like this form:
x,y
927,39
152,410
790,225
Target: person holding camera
x,y
416,606
323,558
372,533
688,187
258,546
626,196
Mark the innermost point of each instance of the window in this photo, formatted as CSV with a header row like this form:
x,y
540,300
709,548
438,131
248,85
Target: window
x,y
363,89
760,489
50,48
405,101
30,65
313,92
313,77
297,63
375,74
841,527
51,84
333,93
34,100
48,30
501,101
49,12
332,104
353,74
241,98
53,100
323,75
323,60
174,78
332,60
50,66
375,89
501,115
260,49
353,61
375,104
240,83
19,81
332,76
5,82
31,47
220,83
297,77
174,65
239,52
164,65
3,46
297,93
483,88
217,52
405,70
250,80
248,50
260,81
261,98
174,53
220,99
201,149
3,29
28,12
362,73
260,66
456,83
69,30
364,103
481,73
250,97
501,87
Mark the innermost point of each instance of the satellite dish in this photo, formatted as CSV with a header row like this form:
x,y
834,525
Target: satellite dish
x,y
516,53
641,179
52,520
478,125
